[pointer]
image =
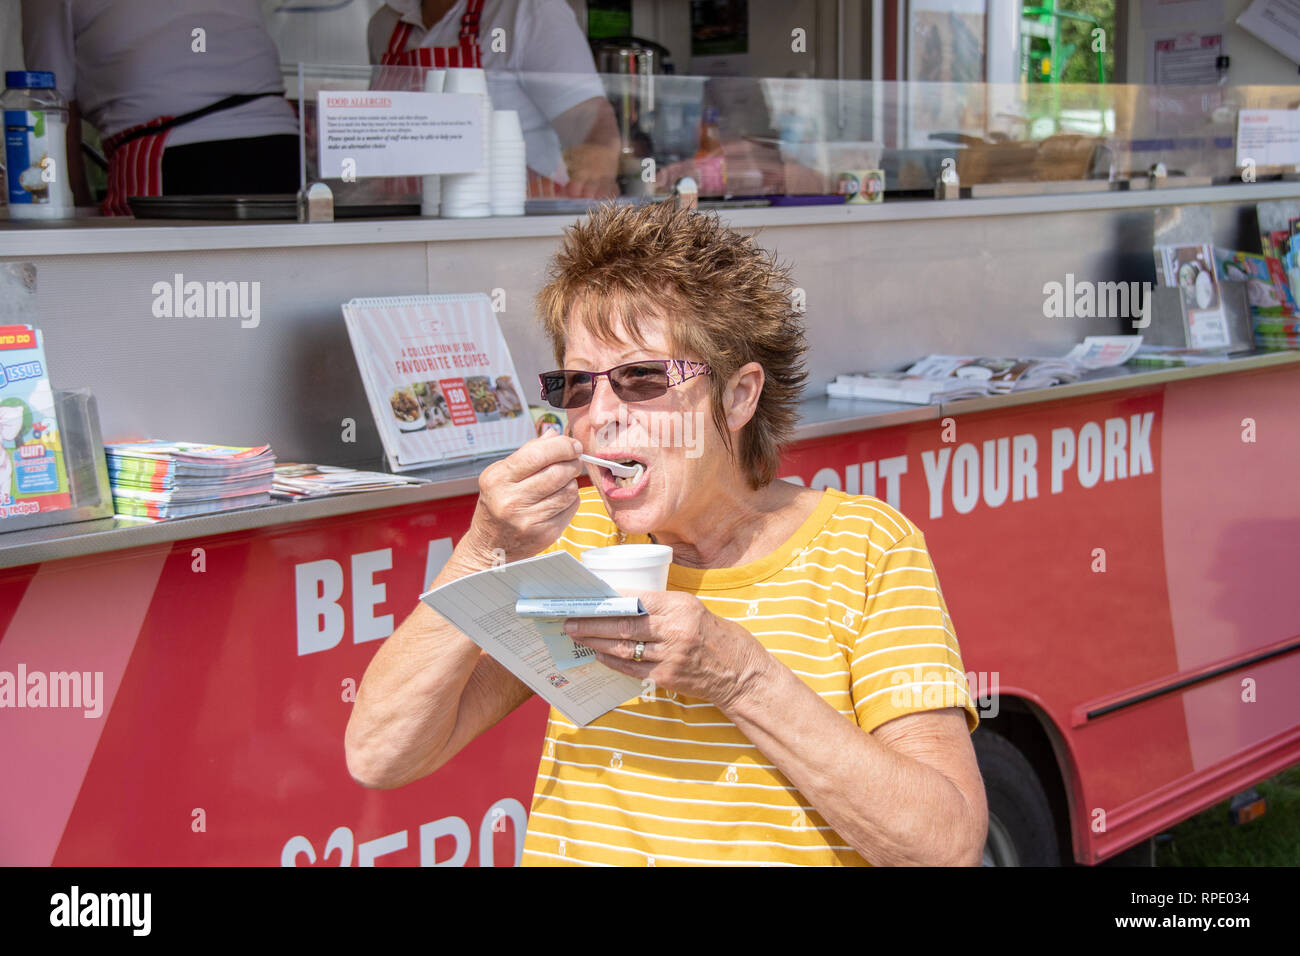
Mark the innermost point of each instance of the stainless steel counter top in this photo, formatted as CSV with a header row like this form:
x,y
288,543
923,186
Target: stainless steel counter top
x,y
95,235
819,417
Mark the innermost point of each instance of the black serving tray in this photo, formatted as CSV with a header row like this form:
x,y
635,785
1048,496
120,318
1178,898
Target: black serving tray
x,y
283,206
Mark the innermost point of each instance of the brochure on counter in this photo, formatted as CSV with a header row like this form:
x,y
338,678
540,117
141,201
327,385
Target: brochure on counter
x,y
1267,288
1273,312
1172,356
953,377
33,473
159,480
298,481
438,376
1191,269
495,609
1279,223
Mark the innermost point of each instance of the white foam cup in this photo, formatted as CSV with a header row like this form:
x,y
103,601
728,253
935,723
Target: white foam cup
x,y
465,80
506,127
631,567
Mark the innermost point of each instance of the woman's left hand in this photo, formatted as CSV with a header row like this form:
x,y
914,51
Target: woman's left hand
x,y
688,648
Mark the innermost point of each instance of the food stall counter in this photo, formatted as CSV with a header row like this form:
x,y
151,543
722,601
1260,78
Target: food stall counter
x,y
820,417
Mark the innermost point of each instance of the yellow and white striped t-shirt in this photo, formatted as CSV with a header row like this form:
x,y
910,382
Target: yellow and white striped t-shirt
x,y
850,603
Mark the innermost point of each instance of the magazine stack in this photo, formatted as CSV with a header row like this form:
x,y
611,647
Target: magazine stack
x,y
158,480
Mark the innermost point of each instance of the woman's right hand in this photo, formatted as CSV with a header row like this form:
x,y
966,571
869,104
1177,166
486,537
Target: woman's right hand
x,y
526,501
429,690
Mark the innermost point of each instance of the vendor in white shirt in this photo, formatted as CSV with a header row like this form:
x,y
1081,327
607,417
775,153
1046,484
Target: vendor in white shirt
x,y
180,112
569,128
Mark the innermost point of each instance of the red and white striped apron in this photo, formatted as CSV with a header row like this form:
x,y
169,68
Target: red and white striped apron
x,y
134,166
135,157
466,53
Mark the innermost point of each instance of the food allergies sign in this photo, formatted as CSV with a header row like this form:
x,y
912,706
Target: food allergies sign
x,y
380,133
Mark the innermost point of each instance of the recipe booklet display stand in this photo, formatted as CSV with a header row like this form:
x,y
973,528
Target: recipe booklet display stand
x,y
83,458
439,378
1171,319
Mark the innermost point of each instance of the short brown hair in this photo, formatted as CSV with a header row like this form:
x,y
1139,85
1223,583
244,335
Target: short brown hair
x,y
727,302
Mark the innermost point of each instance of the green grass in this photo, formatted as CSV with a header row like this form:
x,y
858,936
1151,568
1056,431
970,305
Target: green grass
x,y
1210,839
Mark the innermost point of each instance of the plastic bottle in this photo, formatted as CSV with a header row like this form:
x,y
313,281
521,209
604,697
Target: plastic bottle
x,y
36,152
709,159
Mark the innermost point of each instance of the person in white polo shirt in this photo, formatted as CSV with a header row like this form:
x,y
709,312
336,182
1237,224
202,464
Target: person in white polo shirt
x,y
186,94
570,133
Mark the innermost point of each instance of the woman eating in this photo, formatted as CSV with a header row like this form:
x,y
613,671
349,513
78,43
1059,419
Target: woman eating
x,y
805,698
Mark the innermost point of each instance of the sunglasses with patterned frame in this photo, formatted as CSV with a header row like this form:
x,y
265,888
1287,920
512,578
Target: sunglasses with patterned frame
x,y
632,382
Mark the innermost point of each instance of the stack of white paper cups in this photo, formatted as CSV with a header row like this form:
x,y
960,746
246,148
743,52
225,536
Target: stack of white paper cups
x,y
467,195
431,189
509,166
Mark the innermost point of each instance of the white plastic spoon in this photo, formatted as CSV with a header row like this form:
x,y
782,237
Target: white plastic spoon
x,y
622,471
